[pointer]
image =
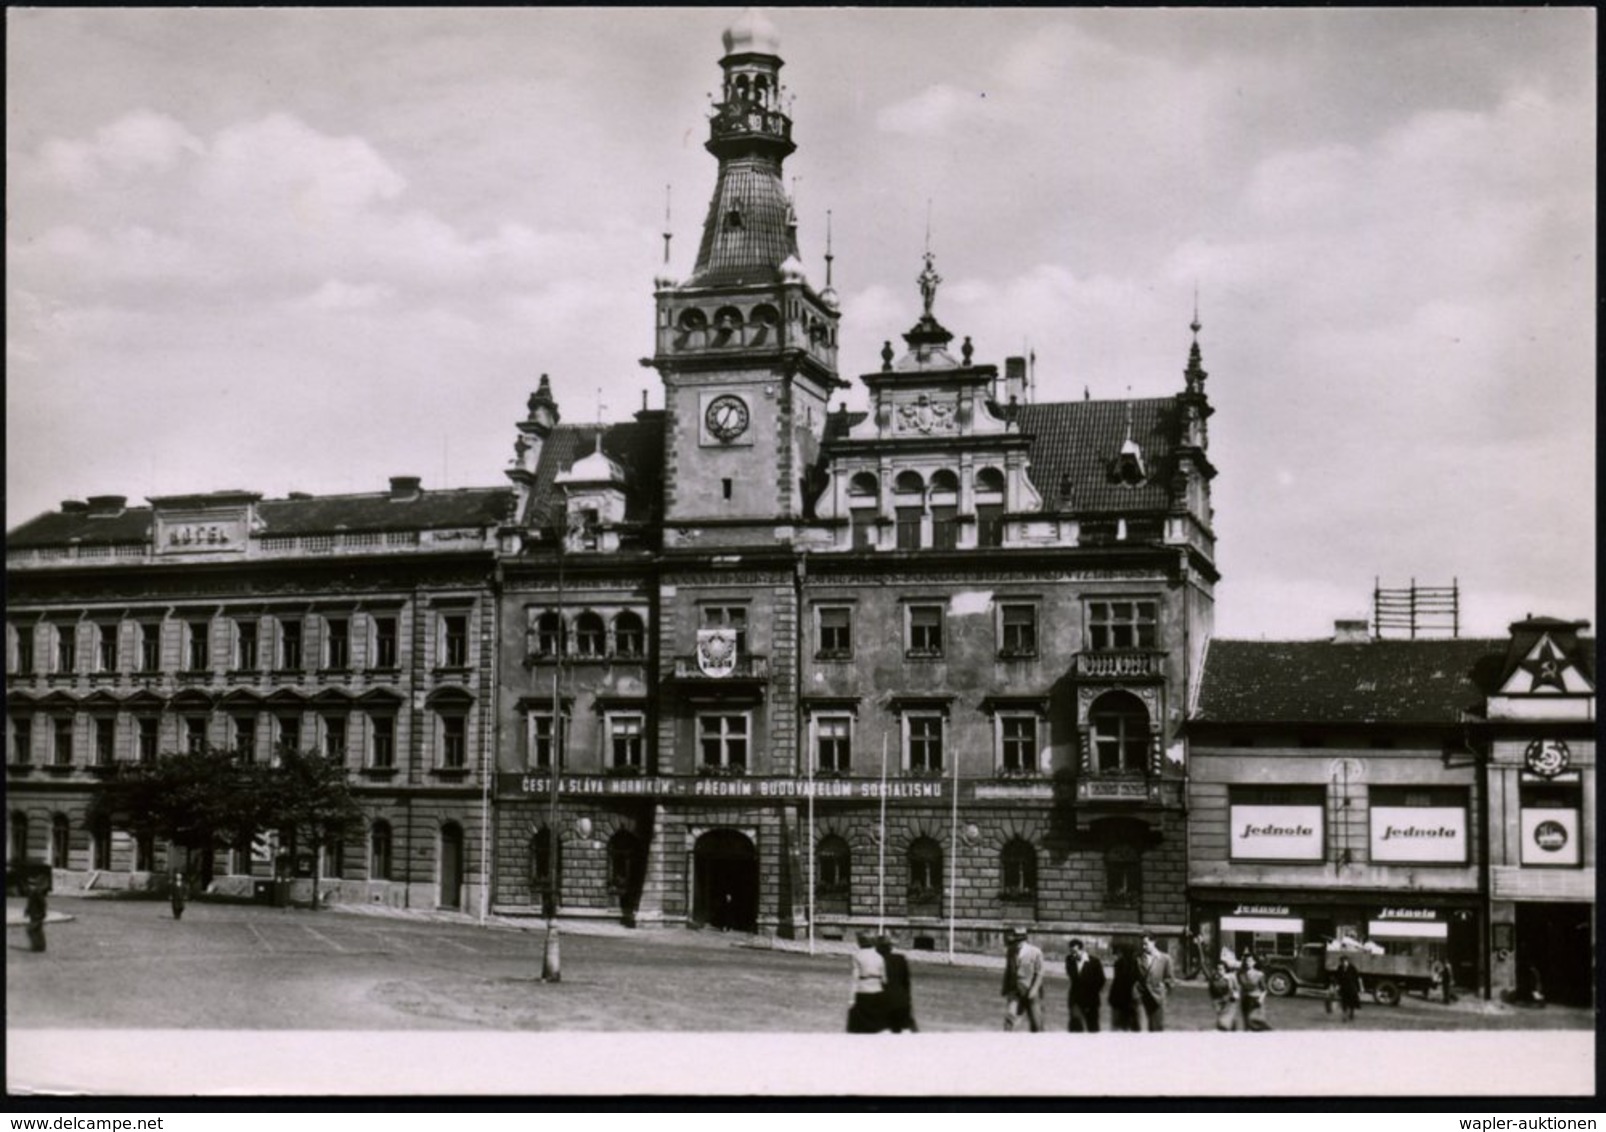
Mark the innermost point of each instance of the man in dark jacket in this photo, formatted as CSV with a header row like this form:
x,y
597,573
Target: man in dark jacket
x,y
898,999
36,913
1087,982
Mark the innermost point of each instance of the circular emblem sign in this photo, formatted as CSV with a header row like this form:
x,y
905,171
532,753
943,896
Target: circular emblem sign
x,y
1551,836
1548,757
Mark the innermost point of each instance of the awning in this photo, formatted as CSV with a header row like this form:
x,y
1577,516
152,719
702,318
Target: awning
x,y
1408,929
1275,925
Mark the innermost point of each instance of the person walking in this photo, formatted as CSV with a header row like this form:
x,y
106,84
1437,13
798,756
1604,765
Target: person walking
x,y
1087,982
898,1001
1347,978
1223,988
176,895
1252,993
1124,1012
1023,981
866,1015
36,911
1155,980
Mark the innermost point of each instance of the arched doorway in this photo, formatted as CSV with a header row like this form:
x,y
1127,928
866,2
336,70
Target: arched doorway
x,y
451,895
725,881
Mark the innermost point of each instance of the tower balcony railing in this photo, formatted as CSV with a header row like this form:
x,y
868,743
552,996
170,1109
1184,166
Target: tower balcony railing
x,y
735,119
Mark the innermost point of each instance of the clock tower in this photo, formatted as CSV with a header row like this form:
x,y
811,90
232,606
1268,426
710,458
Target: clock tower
x,y
745,346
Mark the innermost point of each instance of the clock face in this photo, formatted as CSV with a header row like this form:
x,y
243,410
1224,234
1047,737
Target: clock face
x,y
726,417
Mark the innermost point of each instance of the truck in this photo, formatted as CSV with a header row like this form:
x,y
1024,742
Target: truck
x,y
1387,977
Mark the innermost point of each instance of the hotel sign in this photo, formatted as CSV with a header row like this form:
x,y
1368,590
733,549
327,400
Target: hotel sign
x,y
1435,835
1276,833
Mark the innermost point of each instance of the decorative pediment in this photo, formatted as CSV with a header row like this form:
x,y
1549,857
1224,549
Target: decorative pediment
x,y
1546,670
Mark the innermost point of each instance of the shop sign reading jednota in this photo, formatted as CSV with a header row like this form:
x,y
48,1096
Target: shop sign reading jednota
x,y
1419,834
1276,833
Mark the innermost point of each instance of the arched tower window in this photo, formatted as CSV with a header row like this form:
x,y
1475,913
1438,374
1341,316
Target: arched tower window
x,y
1119,725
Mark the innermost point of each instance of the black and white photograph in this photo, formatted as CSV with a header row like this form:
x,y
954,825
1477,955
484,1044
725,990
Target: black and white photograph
x,y
609,551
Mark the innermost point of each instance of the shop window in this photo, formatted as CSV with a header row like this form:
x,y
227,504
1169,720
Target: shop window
x,y
379,851
925,873
923,735
629,636
835,632
1123,877
833,744
1119,727
1017,629
923,626
1122,624
723,741
1017,864
385,655
541,738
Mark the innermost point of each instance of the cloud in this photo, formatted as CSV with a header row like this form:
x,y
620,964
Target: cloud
x,y
141,141
935,111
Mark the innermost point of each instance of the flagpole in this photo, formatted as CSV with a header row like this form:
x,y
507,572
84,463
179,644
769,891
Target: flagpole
x,y
953,865
881,845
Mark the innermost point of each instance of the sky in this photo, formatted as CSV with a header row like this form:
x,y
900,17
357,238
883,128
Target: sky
x,y
307,250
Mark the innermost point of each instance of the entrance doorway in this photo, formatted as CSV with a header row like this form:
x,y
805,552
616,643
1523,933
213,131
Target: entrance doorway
x,y
725,881
451,895
1554,943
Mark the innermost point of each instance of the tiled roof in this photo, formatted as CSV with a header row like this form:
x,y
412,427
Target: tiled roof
x,y
637,446
753,252
1376,681
459,507
1080,439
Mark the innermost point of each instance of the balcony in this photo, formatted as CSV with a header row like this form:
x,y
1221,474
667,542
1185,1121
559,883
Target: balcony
x,y
1120,664
747,668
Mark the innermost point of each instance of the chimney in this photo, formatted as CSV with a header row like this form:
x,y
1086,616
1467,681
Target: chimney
x,y
106,506
73,507
405,489
1357,632
1014,380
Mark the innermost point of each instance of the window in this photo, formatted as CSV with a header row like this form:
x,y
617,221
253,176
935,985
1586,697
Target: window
x,y
944,505
864,502
62,741
454,742
625,741
989,507
288,728
728,617
106,647
241,864
105,741
150,646
1121,624
1123,877
290,645
1454,797
334,857
541,736
146,726
382,741
24,650
245,646
723,741
1017,744
925,630
925,873
144,853
195,734
60,841
385,642
100,846
590,635
21,740
629,635
835,633
1017,630
198,655
548,635
337,643
334,736
245,737
908,520
923,743
833,743
624,862
66,648
1017,866
834,865
379,851
1119,725
454,641
542,877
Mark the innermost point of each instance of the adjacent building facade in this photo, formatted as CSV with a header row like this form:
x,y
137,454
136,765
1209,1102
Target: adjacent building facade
x,y
1393,791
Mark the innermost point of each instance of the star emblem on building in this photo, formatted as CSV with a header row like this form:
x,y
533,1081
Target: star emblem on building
x,y
1546,667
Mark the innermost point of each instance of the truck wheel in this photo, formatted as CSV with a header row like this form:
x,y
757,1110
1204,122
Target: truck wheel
x,y
1280,983
1387,994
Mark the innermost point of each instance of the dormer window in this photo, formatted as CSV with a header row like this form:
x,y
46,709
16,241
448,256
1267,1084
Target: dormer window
x,y
733,218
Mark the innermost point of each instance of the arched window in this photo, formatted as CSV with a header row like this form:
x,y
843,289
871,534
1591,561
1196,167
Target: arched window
x,y
693,329
863,485
60,840
1017,865
943,499
763,325
925,873
909,483
728,320
864,499
100,844
548,635
17,838
590,635
1120,734
909,509
629,635
989,507
379,851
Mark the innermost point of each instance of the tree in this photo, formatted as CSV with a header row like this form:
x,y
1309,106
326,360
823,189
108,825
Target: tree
x,y
309,794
